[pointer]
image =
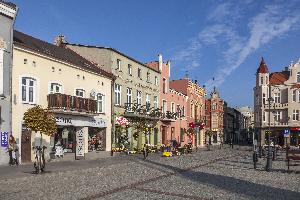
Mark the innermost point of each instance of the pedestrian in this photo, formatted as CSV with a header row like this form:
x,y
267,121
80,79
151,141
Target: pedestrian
x,y
10,149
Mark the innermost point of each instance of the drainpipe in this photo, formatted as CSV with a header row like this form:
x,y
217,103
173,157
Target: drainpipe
x,y
113,135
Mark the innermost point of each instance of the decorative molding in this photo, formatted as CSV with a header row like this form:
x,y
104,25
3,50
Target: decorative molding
x,y
7,11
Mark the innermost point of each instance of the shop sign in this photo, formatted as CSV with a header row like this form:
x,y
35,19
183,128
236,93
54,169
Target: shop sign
x,y
295,129
79,143
67,120
4,139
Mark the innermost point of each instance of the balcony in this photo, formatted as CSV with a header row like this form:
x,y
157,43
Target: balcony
x,y
169,116
135,110
62,103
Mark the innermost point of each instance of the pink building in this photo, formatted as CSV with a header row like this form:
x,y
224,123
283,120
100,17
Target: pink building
x,y
173,124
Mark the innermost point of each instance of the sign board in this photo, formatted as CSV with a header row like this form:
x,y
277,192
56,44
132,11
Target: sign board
x,y
79,121
79,144
286,133
4,139
295,129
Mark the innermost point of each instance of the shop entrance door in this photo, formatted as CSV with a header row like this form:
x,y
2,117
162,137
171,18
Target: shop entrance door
x,y
163,133
26,146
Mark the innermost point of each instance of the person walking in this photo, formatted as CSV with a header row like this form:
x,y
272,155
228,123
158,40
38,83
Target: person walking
x,y
10,150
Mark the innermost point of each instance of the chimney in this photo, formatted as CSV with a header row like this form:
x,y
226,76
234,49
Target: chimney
x,y
59,40
160,62
169,65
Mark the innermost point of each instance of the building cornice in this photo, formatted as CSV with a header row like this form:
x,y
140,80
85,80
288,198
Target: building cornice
x,y
8,11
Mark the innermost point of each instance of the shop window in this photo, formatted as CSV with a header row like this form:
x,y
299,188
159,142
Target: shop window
x,y
96,139
28,90
65,138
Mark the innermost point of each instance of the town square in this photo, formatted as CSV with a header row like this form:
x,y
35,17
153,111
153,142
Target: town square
x,y
131,99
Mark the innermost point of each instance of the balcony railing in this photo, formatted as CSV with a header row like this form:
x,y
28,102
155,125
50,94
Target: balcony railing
x,y
135,109
71,103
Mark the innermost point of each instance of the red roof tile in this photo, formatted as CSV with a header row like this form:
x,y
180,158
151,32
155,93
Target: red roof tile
x,y
295,86
278,78
153,65
263,68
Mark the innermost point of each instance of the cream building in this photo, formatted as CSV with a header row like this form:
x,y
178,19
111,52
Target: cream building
x,y
285,104
136,85
76,90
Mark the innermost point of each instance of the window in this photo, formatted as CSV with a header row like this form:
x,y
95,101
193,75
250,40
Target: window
x,y
118,94
28,90
173,107
148,102
80,93
155,102
139,98
294,95
33,64
164,106
129,98
148,76
130,70
277,97
55,88
183,111
262,80
25,61
119,65
156,80
214,106
264,98
264,116
298,95
277,116
100,103
298,77
295,115
139,73
164,85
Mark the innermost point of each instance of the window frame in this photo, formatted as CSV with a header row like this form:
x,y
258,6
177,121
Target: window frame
x,y
102,102
129,69
118,96
55,83
119,65
27,91
295,115
83,92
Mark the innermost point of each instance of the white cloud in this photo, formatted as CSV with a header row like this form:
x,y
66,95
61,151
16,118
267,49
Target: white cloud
x,y
264,27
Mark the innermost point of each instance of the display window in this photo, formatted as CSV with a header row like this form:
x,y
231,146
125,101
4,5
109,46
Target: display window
x,y
96,139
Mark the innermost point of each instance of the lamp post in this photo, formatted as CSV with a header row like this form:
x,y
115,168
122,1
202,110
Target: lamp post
x,y
269,156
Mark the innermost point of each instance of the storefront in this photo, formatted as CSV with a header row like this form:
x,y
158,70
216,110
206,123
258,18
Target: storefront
x,y
295,136
78,135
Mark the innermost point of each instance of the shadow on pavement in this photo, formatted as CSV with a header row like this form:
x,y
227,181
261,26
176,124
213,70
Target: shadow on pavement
x,y
234,185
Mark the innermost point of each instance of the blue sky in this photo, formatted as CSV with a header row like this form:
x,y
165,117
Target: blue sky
x,y
220,39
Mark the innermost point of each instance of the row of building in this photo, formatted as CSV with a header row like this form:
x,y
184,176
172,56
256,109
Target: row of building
x,y
90,89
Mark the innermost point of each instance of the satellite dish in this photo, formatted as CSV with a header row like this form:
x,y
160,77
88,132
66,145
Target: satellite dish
x,y
93,93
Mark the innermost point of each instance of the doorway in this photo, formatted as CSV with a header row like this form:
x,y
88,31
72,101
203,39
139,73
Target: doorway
x,y
26,146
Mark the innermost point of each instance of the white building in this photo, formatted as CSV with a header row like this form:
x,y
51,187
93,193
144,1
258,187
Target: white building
x,y
284,110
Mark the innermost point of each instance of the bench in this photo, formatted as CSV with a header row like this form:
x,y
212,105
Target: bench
x,y
292,154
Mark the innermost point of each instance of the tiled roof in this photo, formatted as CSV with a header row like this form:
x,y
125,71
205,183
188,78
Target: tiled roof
x,y
9,4
295,86
278,78
263,68
153,65
111,49
179,85
58,52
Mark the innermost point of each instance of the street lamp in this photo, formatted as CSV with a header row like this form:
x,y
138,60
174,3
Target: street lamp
x,y
269,156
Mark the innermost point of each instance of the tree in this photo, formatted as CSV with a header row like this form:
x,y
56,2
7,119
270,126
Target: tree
x,y
39,120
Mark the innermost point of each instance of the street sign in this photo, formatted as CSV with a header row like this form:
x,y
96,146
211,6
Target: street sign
x,y
286,133
4,139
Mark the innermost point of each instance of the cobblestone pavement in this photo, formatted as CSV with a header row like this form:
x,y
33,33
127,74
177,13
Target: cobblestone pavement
x,y
216,174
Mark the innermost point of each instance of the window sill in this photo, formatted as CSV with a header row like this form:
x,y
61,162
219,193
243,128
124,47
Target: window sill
x,y
29,103
101,113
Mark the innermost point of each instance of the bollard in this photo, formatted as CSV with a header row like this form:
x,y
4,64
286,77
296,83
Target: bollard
x,y
255,159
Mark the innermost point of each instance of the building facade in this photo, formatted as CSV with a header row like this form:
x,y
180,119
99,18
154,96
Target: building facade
x,y
214,115
8,13
136,90
284,89
74,89
173,122
195,109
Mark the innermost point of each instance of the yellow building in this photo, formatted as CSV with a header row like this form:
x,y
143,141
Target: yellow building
x,y
76,90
